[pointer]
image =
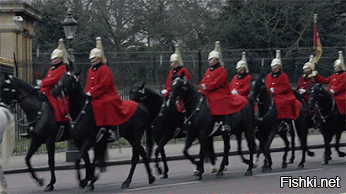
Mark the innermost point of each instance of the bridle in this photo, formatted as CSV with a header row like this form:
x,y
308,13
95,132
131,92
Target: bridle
x,y
317,102
259,102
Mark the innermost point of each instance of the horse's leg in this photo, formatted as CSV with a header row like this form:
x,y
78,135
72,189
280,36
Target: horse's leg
x,y
226,148
204,141
293,140
337,143
3,183
83,153
160,149
302,132
51,162
211,154
135,159
327,153
283,136
35,144
146,163
268,160
252,149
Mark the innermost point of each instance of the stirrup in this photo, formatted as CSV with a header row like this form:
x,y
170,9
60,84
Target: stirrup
x,y
112,137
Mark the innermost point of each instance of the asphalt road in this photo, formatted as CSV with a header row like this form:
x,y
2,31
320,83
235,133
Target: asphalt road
x,y
180,178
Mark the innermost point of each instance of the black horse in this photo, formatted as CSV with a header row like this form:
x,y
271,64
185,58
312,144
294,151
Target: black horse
x,y
200,124
331,121
82,116
166,123
269,125
35,106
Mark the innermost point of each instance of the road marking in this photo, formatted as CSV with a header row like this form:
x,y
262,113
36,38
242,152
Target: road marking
x,y
160,186
280,173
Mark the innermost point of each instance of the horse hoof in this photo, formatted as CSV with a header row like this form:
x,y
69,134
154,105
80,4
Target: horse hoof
x,y
198,178
195,172
213,170
90,187
165,176
311,154
342,154
219,173
49,188
248,173
151,179
325,163
266,169
125,185
159,170
284,165
83,183
40,182
300,166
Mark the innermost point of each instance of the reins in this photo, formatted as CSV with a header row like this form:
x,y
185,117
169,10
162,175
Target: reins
x,y
331,111
196,109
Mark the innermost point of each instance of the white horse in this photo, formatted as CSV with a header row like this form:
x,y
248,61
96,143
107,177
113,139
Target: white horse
x,y
7,132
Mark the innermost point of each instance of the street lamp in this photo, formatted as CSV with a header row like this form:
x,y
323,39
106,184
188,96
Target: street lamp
x,y
70,26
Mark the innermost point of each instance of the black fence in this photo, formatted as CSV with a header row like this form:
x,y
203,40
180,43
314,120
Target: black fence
x,y
153,68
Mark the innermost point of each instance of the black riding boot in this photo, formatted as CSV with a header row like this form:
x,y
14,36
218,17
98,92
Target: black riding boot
x,y
112,134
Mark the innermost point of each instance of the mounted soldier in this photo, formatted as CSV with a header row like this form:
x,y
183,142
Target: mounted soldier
x,y
240,83
277,82
337,83
59,61
216,88
109,109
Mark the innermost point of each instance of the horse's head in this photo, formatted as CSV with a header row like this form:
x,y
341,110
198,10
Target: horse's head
x,y
178,89
68,83
258,89
8,89
137,92
315,95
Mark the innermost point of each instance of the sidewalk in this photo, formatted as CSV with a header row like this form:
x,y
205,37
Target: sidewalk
x,y
173,151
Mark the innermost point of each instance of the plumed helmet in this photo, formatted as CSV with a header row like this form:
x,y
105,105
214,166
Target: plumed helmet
x,y
60,52
340,61
277,59
176,56
98,51
243,63
216,53
310,64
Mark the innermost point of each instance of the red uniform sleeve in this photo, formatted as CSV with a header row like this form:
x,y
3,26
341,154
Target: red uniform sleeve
x,y
53,77
341,83
300,83
245,89
320,79
219,78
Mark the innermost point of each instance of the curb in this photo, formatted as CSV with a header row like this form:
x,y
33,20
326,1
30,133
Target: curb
x,y
169,158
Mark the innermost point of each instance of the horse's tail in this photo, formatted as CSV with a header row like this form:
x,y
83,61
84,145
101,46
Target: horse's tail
x,y
8,141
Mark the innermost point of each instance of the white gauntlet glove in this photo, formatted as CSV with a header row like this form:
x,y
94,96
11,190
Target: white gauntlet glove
x,y
203,87
164,91
301,91
234,91
38,84
332,91
272,90
314,73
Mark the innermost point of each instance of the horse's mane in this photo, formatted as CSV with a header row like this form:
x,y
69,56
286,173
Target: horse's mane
x,y
24,85
189,82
